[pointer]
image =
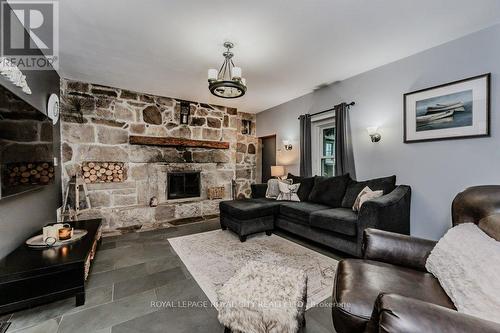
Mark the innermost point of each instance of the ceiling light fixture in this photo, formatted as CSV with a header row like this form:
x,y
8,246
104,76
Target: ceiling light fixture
x,y
227,82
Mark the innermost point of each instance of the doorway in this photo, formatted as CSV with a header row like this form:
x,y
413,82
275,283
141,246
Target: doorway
x,y
268,148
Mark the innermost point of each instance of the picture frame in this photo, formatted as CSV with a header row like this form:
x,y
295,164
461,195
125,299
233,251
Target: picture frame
x,y
454,110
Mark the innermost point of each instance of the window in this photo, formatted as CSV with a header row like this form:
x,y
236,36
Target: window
x,y
328,156
323,146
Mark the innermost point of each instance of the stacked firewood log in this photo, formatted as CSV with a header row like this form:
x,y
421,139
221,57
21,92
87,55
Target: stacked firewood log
x,y
103,172
30,173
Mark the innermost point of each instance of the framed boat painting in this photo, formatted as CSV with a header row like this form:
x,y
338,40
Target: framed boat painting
x,y
454,110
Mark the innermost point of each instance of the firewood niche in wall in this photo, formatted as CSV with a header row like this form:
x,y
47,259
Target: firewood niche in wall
x,y
103,172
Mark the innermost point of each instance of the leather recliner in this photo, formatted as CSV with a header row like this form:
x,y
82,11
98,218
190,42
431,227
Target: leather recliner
x,y
389,290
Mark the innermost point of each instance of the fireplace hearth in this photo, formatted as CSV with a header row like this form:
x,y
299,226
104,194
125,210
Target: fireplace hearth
x,y
181,185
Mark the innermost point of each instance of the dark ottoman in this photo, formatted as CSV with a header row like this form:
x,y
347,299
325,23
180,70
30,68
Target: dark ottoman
x,y
248,216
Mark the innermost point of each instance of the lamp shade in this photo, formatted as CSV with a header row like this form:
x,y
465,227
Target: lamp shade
x,y
236,73
372,130
212,74
277,170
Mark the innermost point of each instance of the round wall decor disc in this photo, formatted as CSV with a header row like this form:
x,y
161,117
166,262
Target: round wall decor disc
x,y
53,108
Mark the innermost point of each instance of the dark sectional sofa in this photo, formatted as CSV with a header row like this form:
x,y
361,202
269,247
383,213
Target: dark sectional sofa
x,y
324,214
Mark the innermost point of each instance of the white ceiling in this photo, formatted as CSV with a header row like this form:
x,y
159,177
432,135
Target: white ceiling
x,y
285,47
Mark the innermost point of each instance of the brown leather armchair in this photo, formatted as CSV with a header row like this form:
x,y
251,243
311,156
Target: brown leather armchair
x,y
389,290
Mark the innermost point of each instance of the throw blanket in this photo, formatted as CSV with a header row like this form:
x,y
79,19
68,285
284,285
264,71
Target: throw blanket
x,y
466,261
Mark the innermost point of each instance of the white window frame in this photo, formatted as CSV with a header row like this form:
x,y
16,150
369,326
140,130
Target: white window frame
x,y
317,126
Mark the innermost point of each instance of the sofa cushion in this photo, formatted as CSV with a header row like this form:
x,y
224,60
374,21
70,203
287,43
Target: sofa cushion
x,y
249,208
358,283
306,185
386,184
299,211
329,190
341,220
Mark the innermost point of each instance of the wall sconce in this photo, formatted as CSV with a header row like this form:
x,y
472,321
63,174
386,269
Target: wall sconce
x,y
374,135
185,110
287,145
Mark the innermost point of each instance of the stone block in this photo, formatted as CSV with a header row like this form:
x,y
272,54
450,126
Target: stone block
x,y
139,171
233,122
111,186
108,122
124,200
152,115
226,121
210,207
187,210
101,153
171,125
165,212
103,113
78,133
211,156
251,148
137,128
232,111
104,102
211,134
156,131
111,136
181,132
197,121
67,152
241,148
100,199
124,112
104,91
146,98
243,173
124,191
201,112
126,94
145,154
122,217
214,122
77,86
164,101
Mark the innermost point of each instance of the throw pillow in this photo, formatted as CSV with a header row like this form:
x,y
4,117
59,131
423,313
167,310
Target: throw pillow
x,y
288,192
306,185
365,195
386,184
273,189
466,261
329,190
295,179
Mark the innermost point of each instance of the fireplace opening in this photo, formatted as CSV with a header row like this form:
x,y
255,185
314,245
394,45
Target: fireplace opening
x,y
183,185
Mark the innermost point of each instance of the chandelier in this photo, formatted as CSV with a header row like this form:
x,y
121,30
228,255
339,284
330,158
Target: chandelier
x,y
227,81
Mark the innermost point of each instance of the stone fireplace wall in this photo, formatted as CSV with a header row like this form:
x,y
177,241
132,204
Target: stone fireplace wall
x,y
96,122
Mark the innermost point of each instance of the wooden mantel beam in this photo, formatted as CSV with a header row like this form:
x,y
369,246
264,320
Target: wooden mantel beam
x,y
176,142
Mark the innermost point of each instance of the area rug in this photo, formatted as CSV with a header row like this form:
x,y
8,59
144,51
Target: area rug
x,y
213,257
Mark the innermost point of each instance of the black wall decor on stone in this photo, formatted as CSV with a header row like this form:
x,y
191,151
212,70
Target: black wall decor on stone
x,y
185,112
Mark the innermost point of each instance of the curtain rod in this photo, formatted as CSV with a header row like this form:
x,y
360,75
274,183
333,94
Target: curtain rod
x,y
324,111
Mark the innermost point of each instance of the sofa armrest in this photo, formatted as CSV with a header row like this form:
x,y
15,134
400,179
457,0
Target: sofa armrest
x,y
396,249
398,314
259,190
390,212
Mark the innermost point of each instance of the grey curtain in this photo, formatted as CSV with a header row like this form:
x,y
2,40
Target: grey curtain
x,y
305,146
344,158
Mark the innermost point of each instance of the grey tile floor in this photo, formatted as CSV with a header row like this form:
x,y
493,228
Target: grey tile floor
x,y
129,273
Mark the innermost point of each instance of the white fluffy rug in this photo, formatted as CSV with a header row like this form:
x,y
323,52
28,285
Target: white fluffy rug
x,y
215,256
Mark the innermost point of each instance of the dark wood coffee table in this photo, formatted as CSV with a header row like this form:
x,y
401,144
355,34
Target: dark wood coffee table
x,y
29,277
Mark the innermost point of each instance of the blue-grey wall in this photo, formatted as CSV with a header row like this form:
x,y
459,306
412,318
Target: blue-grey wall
x,y
438,170
23,214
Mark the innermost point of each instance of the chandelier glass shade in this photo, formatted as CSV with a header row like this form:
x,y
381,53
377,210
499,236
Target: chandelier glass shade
x,y
227,82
